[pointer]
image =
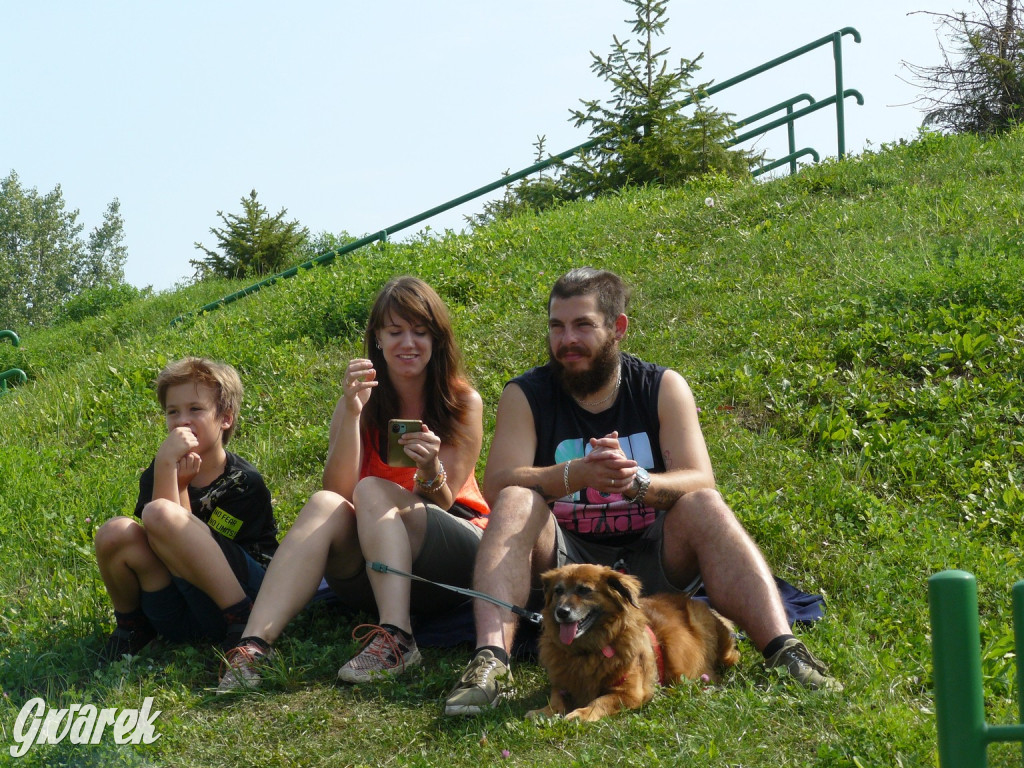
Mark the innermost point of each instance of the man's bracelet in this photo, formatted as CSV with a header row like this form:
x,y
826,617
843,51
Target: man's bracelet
x,y
565,477
439,479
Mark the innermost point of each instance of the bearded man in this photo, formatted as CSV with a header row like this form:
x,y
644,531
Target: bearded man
x,y
598,457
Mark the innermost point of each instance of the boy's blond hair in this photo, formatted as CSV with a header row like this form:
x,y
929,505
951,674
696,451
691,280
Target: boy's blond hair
x,y
220,377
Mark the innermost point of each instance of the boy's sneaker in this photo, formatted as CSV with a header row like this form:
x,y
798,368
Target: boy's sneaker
x,y
125,641
483,682
240,669
383,654
805,668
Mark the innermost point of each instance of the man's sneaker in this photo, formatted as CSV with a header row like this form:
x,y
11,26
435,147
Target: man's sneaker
x,y
125,642
483,682
382,655
798,661
240,669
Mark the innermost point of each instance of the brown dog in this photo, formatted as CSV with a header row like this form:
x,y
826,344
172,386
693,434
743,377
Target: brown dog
x,y
605,648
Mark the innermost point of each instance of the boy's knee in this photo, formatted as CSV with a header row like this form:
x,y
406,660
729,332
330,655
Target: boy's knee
x,y
116,536
162,517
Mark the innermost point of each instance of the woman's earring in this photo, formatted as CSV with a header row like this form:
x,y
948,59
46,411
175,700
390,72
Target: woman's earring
x,y
379,346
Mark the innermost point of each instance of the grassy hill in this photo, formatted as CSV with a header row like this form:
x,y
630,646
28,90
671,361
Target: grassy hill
x,y
855,339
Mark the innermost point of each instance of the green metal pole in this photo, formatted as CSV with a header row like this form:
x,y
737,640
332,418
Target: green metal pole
x,y
1018,640
956,656
12,336
837,54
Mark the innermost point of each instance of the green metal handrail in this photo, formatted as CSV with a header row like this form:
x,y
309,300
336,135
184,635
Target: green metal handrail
x,y
963,734
792,115
13,373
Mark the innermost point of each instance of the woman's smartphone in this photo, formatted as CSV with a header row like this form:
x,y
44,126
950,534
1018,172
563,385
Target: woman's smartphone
x,y
397,457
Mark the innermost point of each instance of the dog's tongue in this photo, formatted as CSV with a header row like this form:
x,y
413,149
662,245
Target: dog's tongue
x,y
567,632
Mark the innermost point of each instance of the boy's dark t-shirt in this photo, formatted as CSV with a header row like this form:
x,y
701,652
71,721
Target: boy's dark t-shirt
x,y
237,508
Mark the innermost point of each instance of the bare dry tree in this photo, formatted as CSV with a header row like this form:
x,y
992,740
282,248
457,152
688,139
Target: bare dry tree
x,y
979,87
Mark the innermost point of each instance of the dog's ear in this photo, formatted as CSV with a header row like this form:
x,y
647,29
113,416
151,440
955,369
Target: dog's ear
x,y
549,577
627,586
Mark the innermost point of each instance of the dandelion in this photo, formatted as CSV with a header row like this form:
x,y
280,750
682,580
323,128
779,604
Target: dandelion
x,y
709,202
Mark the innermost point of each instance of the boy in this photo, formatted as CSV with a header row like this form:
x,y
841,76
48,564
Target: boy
x,y
193,567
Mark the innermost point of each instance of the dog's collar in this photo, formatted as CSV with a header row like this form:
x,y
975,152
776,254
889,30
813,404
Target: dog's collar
x,y
659,657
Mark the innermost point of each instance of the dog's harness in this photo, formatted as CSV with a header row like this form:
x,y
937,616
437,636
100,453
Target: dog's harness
x,y
659,657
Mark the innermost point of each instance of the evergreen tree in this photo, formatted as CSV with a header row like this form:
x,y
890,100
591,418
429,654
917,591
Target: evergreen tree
x,y
643,133
979,87
529,194
252,244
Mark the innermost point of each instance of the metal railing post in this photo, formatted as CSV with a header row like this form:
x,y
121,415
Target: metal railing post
x,y
791,132
837,54
956,656
1018,644
963,734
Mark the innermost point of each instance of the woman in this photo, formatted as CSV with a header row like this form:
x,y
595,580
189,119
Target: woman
x,y
426,519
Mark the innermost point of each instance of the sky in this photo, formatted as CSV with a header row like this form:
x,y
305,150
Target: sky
x,y
356,116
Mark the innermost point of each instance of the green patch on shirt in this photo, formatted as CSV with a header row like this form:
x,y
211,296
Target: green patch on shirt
x,y
224,524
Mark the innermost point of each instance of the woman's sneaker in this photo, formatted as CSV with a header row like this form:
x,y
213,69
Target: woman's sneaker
x,y
240,669
383,655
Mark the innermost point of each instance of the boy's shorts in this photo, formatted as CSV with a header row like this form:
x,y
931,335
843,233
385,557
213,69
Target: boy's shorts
x,y
183,613
640,557
449,550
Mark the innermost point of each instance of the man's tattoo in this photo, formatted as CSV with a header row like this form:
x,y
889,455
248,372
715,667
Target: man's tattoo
x,y
546,496
662,499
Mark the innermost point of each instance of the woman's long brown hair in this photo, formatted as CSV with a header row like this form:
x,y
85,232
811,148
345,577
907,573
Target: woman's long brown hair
x,y
445,401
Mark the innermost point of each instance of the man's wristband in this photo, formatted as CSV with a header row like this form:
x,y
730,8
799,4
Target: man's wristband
x,y
565,477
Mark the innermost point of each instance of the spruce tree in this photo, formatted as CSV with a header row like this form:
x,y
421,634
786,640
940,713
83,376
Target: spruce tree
x,y
252,244
643,134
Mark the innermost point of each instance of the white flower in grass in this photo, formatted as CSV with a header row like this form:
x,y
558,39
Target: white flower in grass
x,y
709,202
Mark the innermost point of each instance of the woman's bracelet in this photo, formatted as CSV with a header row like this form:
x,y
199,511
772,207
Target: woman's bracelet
x,y
439,479
565,477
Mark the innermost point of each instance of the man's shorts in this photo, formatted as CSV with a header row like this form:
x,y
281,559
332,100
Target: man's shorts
x,y
640,557
183,613
449,550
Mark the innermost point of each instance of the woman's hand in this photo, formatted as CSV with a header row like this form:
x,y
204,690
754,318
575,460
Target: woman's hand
x,y
423,448
360,379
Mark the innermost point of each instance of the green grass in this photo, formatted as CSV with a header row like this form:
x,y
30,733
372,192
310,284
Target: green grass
x,y
855,339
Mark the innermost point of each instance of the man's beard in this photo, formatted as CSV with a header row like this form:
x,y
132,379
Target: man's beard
x,y
603,367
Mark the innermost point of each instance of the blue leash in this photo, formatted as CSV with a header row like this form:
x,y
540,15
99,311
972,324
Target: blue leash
x,y
534,618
